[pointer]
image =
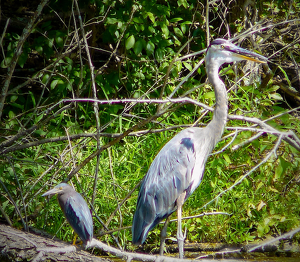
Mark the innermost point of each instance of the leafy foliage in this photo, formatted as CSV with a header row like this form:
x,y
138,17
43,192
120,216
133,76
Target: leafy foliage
x,y
137,49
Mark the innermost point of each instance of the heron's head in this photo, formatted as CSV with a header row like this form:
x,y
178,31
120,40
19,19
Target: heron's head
x,y
59,189
223,51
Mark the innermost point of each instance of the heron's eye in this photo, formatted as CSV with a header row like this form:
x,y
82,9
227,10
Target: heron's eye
x,y
222,46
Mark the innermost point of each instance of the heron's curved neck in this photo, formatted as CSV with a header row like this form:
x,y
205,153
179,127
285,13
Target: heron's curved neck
x,y
221,108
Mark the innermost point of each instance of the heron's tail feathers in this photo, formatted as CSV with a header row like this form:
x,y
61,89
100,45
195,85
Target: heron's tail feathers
x,y
140,228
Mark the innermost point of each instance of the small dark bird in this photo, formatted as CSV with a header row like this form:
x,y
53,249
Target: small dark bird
x,y
178,168
75,210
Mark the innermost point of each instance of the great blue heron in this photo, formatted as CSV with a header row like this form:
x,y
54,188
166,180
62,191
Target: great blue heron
x,y
178,168
75,210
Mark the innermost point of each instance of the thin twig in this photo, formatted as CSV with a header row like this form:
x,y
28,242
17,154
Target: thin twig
x,y
200,215
1,40
26,32
5,216
273,151
251,139
95,105
114,187
122,202
169,70
133,10
21,192
268,242
14,203
226,146
22,133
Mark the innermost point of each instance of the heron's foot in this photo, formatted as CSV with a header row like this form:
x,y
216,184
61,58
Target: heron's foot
x,y
162,245
74,239
163,235
180,242
162,249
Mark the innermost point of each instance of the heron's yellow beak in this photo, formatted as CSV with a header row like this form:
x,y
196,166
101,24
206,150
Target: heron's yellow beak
x,y
250,58
247,55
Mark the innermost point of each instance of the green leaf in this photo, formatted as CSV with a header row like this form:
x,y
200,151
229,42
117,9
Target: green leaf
x,y
130,42
13,98
54,83
275,96
159,54
150,48
286,76
32,98
178,32
38,118
40,132
281,168
11,114
22,59
151,29
138,47
182,3
138,20
57,82
227,159
5,62
151,17
183,28
59,41
188,66
165,30
209,95
69,60
111,21
39,49
17,105
45,78
176,19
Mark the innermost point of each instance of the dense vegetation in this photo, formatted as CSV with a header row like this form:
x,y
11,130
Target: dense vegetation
x,y
139,50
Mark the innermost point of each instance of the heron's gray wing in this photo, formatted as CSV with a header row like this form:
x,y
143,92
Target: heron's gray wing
x,y
79,216
169,175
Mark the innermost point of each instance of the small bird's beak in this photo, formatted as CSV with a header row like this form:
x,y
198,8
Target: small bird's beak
x,y
53,191
248,55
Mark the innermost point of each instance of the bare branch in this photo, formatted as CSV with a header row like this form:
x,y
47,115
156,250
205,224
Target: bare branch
x,y
273,151
128,256
288,235
26,32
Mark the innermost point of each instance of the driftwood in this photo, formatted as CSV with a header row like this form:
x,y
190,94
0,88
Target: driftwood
x,y
17,245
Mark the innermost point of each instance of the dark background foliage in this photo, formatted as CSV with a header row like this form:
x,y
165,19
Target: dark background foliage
x,y
139,50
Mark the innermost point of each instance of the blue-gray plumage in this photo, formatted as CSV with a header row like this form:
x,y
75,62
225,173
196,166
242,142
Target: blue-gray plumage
x,y
75,210
178,168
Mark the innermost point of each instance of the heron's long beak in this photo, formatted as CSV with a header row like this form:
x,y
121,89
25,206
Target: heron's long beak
x,y
248,55
52,191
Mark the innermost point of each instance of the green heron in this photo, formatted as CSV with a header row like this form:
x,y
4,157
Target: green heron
x,y
75,210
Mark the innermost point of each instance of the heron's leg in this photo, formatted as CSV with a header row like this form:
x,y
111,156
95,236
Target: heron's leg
x,y
163,235
180,237
74,239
